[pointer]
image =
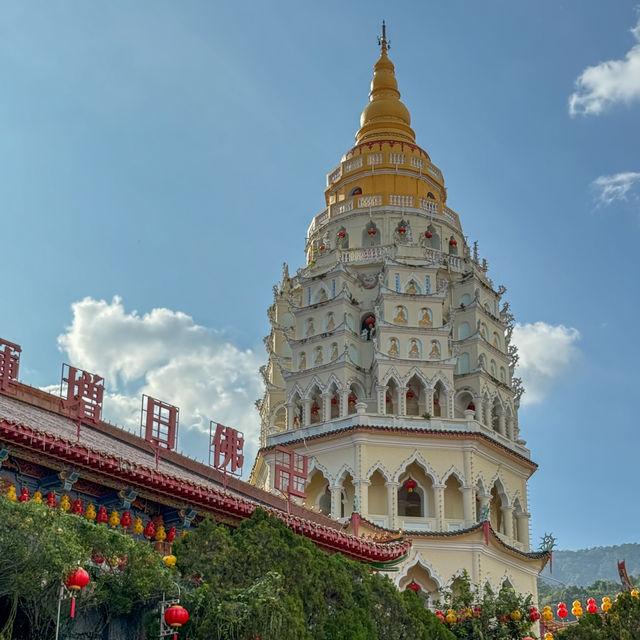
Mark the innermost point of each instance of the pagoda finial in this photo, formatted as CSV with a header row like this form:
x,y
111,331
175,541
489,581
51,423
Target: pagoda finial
x,y
385,44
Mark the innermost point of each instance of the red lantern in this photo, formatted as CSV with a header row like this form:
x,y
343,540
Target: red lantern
x,y
370,321
176,616
51,500
477,611
97,557
24,496
322,247
76,580
171,534
342,234
562,610
414,586
125,521
315,410
410,394
471,407
388,399
77,507
334,401
372,232
453,242
534,614
402,230
440,615
410,485
149,530
436,401
428,235
352,399
592,607
102,515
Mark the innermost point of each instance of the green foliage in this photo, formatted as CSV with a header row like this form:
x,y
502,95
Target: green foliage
x,y
262,580
484,615
552,594
41,545
621,622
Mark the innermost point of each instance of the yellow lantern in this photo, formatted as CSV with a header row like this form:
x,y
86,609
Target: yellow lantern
x,y
90,513
451,616
515,615
548,635
634,593
576,609
65,503
11,493
37,497
161,534
138,527
114,519
606,604
547,614
170,561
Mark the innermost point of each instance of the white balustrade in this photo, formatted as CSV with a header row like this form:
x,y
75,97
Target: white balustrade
x,y
374,158
401,201
343,207
352,165
335,175
429,205
397,158
450,215
434,171
369,201
418,163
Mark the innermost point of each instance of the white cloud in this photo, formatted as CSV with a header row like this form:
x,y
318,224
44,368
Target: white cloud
x,y
546,353
615,187
608,83
165,354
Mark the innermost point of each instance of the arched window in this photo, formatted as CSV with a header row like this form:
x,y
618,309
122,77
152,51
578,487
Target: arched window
x,y
367,326
494,369
497,343
503,375
370,235
432,237
342,238
356,191
464,330
410,503
463,363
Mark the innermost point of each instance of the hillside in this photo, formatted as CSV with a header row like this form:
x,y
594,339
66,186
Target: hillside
x,y
586,566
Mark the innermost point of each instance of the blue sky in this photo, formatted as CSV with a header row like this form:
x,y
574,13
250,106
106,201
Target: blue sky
x,y
166,158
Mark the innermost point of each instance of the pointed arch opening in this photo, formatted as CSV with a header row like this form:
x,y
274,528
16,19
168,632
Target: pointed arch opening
x,y
316,405
453,505
392,398
440,400
464,402
318,492
348,493
421,576
415,494
378,499
415,397
371,235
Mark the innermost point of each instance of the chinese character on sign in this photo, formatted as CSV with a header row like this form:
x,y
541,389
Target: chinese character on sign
x,y
291,472
84,392
159,422
9,363
226,448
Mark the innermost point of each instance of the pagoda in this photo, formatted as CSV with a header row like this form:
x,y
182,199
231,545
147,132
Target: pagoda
x,y
391,368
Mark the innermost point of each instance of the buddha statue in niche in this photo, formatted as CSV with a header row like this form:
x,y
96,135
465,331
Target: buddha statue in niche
x,y
393,348
412,288
435,350
334,351
303,361
310,328
318,359
414,351
401,315
425,320
331,321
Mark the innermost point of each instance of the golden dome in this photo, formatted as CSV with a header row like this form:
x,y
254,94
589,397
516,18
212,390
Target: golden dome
x,y
385,117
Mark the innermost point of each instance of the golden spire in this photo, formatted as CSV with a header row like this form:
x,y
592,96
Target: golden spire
x,y
385,117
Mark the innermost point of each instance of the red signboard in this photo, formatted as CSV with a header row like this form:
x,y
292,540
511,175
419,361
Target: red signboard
x,y
226,448
159,422
9,363
291,472
82,393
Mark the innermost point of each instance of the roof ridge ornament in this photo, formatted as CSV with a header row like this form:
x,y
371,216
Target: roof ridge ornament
x,y
383,43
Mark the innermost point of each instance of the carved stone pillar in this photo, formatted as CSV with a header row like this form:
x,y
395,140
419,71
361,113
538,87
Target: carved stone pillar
x,y
402,401
326,407
502,424
382,398
438,498
507,521
336,501
362,496
392,502
479,405
306,410
522,522
291,412
467,506
428,401
344,402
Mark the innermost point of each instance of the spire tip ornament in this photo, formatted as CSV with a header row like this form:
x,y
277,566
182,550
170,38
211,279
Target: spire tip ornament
x,y
383,43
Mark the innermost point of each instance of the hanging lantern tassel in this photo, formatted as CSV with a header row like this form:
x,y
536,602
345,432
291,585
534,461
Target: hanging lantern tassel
x,y
78,579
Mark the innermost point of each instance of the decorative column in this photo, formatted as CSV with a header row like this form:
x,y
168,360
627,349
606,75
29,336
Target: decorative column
x,y
402,401
487,415
467,506
509,428
392,503
326,407
479,405
438,495
336,501
502,423
291,412
485,503
344,402
382,398
507,521
306,417
362,496
428,401
522,522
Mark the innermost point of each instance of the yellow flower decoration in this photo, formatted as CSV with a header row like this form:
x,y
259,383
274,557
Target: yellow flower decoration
x,y
11,493
90,513
114,519
65,503
37,497
161,534
170,561
138,528
635,593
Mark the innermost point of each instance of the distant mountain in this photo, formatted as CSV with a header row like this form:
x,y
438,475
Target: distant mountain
x,y
586,566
